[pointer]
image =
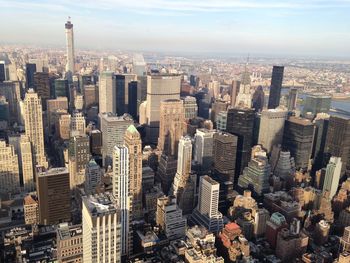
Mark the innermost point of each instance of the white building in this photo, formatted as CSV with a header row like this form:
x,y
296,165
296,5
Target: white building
x,y
9,171
107,92
203,147
331,180
26,159
101,229
77,124
190,107
70,47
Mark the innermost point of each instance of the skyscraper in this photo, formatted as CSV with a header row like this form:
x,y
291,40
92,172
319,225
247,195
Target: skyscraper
x,y
53,191
42,87
70,48
259,99
113,129
338,141
292,99
33,120
190,107
331,181
107,92
171,125
317,103
203,148
79,156
224,153
184,185
9,171
30,70
207,213
132,140
78,124
298,138
159,88
276,86
101,229
27,163
240,122
271,127
121,190
93,175
132,100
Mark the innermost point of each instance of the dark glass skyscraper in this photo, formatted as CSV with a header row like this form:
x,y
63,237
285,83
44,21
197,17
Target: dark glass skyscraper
x,y
132,99
120,93
2,72
61,88
30,70
258,99
276,86
240,122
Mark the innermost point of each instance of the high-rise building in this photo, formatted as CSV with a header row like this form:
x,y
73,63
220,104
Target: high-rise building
x,y
292,99
207,213
169,218
203,148
190,107
290,245
166,171
69,243
159,88
64,124
113,129
276,87
121,190
2,71
26,159
132,140
317,103
9,169
331,181
285,165
61,88
345,240
132,99
171,125
259,99
138,65
217,107
90,96
298,138
93,176
107,92
240,122
60,103
184,185
101,229
33,120
95,142
53,191
271,127
11,90
77,124
221,121
31,210
70,67
30,70
276,222
235,89
321,128
42,87
79,156
224,153
338,141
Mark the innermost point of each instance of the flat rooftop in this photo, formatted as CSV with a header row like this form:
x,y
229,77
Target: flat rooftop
x,y
100,204
64,231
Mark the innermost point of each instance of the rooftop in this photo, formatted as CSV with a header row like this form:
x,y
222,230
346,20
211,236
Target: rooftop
x,y
64,231
54,171
100,204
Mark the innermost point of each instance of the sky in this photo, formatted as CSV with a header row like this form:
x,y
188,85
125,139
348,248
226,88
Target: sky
x,y
285,27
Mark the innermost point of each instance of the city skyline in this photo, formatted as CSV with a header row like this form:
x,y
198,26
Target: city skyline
x,y
317,28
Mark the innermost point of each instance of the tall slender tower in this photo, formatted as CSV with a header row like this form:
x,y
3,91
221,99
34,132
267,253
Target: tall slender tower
x,y
121,190
70,47
33,120
132,140
276,86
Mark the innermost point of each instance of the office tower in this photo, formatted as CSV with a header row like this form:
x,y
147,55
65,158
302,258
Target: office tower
x,y
332,177
53,191
261,216
26,159
190,107
79,156
33,120
234,91
69,243
132,140
166,171
95,142
207,213
60,103
4,112
217,107
113,129
138,65
120,94
224,153
345,240
169,218
338,141
31,210
90,96
2,71
317,103
321,127
259,99
292,99
64,124
42,87
61,88
11,90
276,86
30,70
203,148
184,185
221,121
101,229
276,222
93,176
70,67
203,102
40,64
214,88
78,124
159,88
285,166
132,100
271,127
240,122
256,175
79,102
9,171
289,245
171,125
298,138
107,92
121,190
